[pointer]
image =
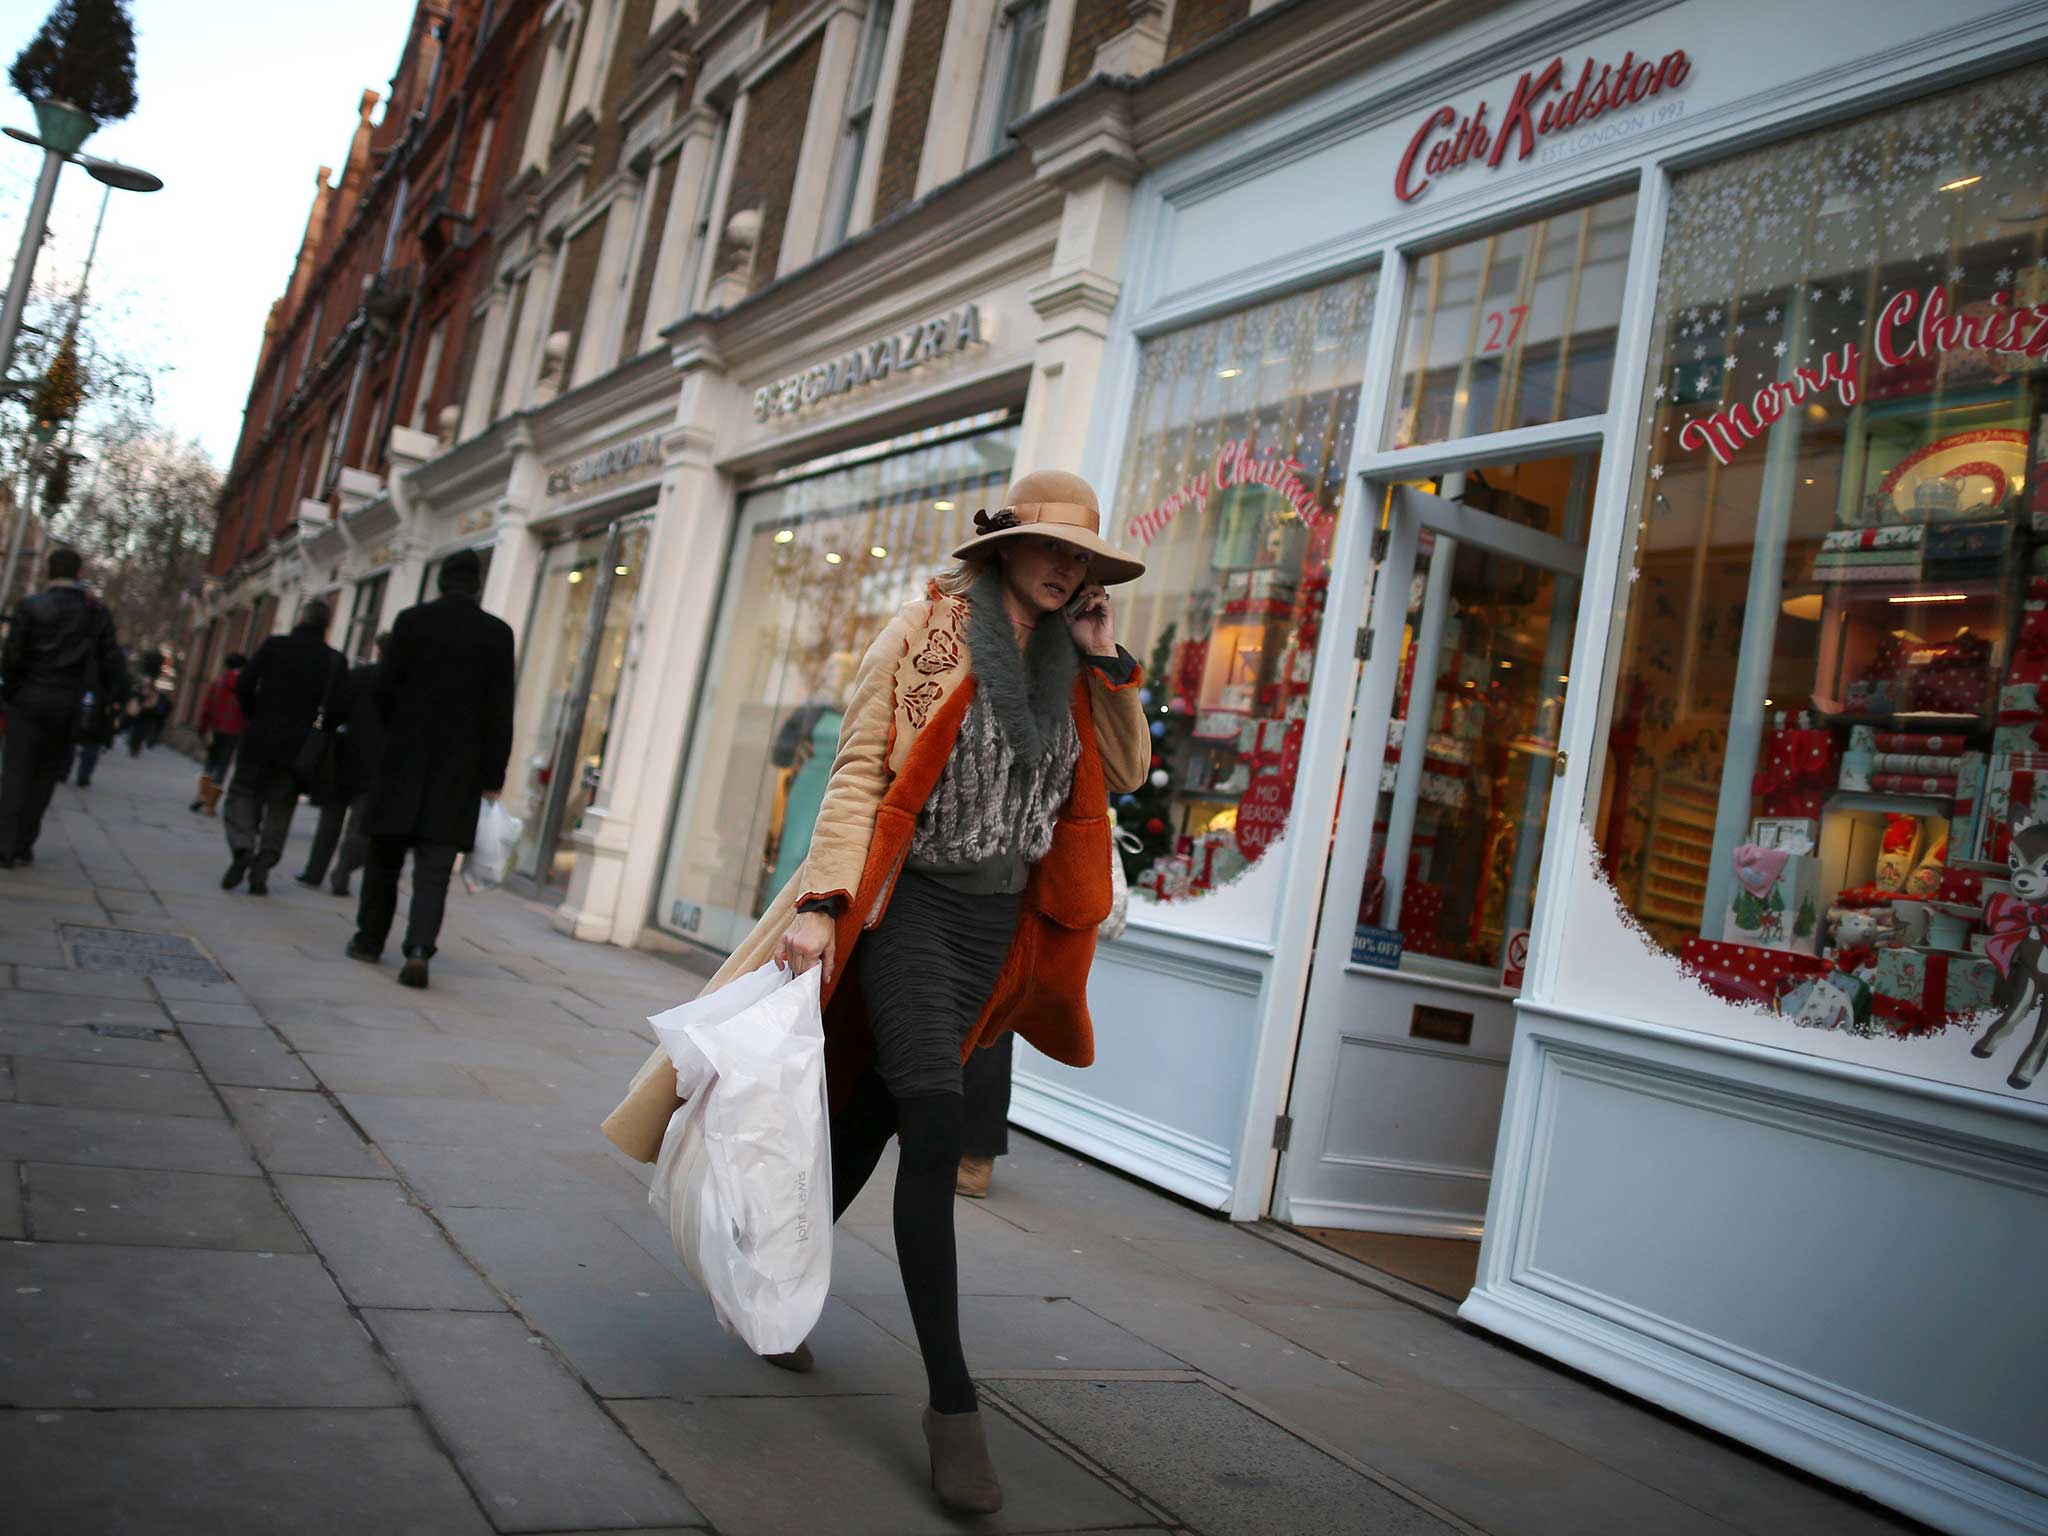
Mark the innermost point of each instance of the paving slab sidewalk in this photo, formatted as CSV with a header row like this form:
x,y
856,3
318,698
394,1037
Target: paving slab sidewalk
x,y
292,1249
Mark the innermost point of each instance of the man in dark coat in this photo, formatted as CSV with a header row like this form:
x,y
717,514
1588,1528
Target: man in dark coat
x,y
344,804
445,692
60,647
292,681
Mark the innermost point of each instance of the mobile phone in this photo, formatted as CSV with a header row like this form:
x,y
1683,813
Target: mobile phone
x,y
1078,603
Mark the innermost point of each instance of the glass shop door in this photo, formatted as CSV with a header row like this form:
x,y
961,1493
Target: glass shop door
x,y
1402,1060
563,727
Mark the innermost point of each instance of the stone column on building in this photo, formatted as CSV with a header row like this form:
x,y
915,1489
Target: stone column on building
x,y
823,124
613,889
1082,145
949,131
516,550
535,316
490,352
870,177
670,294
598,350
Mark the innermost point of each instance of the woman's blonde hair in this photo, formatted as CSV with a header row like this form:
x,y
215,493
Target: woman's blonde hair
x,y
958,579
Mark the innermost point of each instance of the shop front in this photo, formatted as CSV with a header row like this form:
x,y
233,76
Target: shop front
x,y
826,550
592,556
854,467
1593,627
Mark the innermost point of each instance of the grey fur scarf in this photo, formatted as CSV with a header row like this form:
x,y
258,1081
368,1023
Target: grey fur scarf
x,y
1012,766
1030,690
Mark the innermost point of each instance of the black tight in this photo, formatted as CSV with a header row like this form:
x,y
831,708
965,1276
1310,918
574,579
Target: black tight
x,y
929,1127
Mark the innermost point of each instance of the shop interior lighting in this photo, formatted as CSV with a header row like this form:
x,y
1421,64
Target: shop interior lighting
x,y
1228,373
1809,479
1930,597
1961,182
620,570
832,558
1768,703
879,552
574,577
943,506
785,536
1506,665
1806,607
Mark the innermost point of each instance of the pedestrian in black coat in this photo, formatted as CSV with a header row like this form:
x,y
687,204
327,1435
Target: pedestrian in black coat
x,y
345,803
445,693
292,681
60,646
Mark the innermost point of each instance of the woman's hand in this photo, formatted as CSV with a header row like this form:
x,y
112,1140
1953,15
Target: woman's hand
x,y
1089,619
812,937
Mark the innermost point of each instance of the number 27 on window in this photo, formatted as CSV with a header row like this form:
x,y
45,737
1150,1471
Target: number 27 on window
x,y
1495,321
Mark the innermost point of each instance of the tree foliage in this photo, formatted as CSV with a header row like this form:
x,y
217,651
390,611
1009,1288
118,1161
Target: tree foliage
x,y
85,55
143,518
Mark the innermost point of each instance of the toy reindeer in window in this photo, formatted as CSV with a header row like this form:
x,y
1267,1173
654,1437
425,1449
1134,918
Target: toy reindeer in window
x,y
2019,948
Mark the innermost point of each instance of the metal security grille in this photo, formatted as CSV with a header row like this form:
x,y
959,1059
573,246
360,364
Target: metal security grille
x,y
131,952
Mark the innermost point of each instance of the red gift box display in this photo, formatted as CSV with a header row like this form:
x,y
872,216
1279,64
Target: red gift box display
x,y
1745,973
1797,771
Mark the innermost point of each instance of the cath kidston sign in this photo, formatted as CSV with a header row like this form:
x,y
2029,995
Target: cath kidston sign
x,y
1541,107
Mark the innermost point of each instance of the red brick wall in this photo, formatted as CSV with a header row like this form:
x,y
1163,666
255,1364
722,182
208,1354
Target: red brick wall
x,y
766,168
916,78
1196,21
1095,23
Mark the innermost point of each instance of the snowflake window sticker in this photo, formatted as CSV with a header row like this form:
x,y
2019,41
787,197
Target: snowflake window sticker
x,y
1837,599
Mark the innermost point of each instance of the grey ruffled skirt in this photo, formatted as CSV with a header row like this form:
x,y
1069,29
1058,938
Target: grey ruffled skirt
x,y
926,972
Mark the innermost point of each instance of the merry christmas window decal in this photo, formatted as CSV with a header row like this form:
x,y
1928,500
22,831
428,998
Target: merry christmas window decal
x,y
1825,736
1231,483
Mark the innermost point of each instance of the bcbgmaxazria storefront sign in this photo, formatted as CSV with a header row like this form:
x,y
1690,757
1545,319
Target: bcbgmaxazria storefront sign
x,y
899,352
1542,108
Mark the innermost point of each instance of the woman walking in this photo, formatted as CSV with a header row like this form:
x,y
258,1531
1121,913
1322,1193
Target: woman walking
x,y
956,874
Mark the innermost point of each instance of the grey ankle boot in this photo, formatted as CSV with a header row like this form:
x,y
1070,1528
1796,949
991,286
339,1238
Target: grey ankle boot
x,y
962,1475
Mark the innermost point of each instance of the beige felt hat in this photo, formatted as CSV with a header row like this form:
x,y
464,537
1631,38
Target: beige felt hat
x,y
1055,505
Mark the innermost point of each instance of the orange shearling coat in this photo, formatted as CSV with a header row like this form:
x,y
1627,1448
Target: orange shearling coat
x,y
912,690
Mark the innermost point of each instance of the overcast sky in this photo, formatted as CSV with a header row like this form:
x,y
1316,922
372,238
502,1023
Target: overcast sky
x,y
239,103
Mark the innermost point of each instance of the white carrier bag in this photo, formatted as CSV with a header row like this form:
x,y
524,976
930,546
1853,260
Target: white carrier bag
x,y
744,1179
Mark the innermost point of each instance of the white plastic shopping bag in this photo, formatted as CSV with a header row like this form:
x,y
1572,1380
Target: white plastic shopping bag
x,y
744,1179
497,837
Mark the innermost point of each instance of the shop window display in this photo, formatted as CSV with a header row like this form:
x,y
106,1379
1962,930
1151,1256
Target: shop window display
x,y
1231,482
1826,730
825,554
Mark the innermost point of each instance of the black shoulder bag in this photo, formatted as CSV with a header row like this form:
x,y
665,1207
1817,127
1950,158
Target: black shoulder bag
x,y
314,765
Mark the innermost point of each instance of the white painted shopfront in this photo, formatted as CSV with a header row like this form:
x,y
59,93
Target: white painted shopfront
x,y
1469,390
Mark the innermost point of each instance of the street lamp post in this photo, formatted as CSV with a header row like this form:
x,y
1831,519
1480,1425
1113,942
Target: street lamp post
x,y
62,129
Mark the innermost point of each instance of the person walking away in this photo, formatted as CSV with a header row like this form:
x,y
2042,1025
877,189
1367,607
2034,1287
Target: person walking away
x,y
221,723
292,681
97,731
444,691
339,837
985,1127
956,875
135,715
60,658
